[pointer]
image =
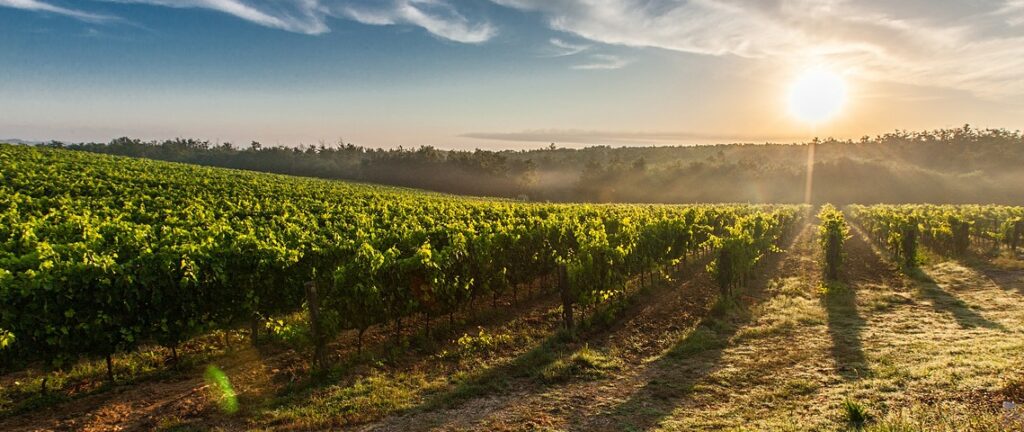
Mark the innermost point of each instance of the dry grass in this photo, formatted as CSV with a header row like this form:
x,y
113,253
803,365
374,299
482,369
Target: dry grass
x,y
913,352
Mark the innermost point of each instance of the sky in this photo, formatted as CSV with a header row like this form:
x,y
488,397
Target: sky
x,y
500,74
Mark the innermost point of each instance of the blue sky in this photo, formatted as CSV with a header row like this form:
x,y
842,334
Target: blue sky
x,y
499,73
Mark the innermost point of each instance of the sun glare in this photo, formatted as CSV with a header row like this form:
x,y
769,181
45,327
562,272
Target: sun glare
x,y
817,95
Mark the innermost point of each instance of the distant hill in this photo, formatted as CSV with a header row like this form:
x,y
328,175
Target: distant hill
x,y
20,141
946,166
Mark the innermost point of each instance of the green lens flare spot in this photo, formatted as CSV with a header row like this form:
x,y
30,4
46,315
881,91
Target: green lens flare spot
x,y
220,387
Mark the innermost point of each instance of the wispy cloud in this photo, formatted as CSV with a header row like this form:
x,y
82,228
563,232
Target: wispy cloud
x,y
942,43
593,61
576,136
1013,10
300,16
435,16
40,6
975,46
603,62
561,48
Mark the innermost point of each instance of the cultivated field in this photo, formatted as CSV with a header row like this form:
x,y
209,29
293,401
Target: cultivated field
x,y
143,295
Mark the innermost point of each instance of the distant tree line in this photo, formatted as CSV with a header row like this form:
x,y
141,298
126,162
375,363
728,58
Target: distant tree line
x,y
472,173
962,165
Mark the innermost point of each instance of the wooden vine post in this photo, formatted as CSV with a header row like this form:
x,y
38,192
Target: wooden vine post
x,y
319,341
563,286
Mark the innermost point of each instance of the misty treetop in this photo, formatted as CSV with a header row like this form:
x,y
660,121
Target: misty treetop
x,y
962,165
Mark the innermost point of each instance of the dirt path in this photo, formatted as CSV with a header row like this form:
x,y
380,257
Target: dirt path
x,y
151,404
718,373
915,353
186,399
653,324
912,352
641,341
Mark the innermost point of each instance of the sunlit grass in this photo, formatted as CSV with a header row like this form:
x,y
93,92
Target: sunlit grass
x,y
586,363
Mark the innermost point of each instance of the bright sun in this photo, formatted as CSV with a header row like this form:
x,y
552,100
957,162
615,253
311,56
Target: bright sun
x,y
817,95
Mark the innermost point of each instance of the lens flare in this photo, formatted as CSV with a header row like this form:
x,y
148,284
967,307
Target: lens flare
x,y
221,388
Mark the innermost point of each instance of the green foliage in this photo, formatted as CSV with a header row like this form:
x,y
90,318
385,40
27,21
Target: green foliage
x,y
856,414
6,338
947,229
480,345
832,233
1013,232
292,331
897,230
745,242
98,253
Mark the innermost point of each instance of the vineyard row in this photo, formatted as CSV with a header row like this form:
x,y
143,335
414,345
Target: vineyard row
x,y
100,254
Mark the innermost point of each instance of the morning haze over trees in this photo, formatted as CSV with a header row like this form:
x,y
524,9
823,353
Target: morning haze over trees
x,y
961,165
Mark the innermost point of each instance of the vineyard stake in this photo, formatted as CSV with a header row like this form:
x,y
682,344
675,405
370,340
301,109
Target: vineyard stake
x,y
313,300
563,283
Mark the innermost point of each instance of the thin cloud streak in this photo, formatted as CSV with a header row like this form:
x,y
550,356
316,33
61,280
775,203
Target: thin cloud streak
x,y
438,18
603,62
307,16
311,17
39,6
574,136
562,48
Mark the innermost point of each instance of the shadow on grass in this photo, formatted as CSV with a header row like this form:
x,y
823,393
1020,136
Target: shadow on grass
x,y
951,304
1008,279
845,326
552,358
542,366
674,376
386,378
557,359
865,267
549,362
862,268
504,378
